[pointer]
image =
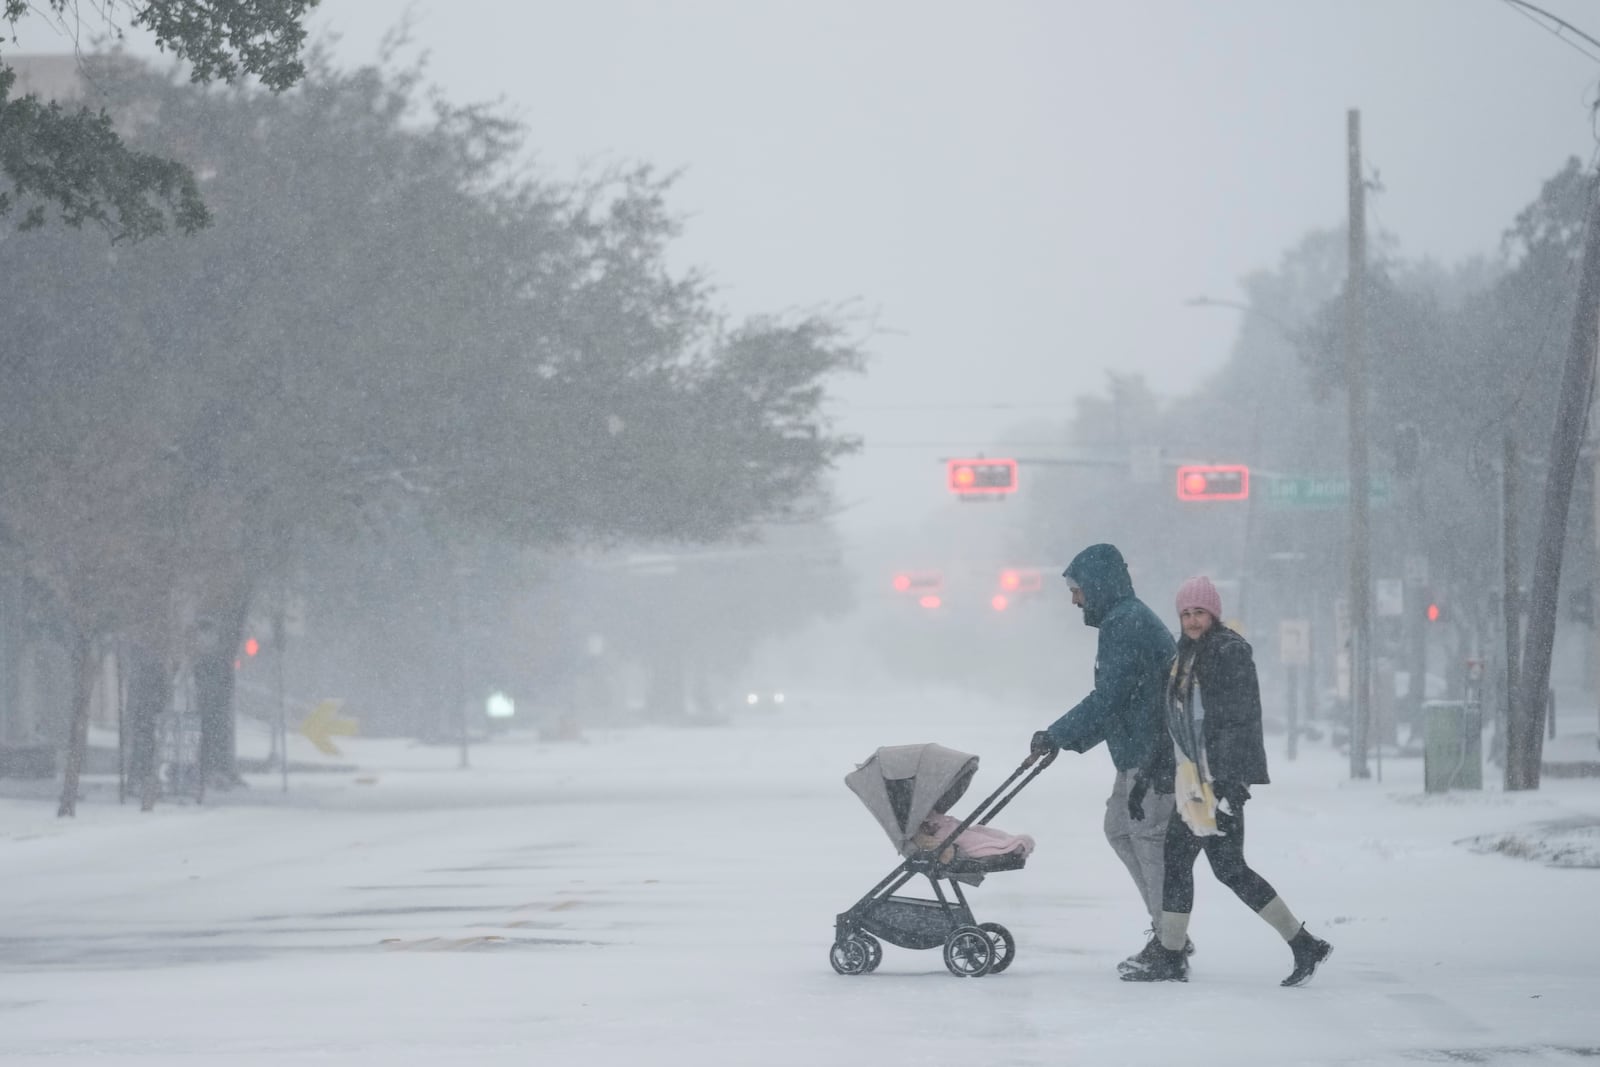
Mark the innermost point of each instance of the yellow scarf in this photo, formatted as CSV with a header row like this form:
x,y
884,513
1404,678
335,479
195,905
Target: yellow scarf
x,y
1197,804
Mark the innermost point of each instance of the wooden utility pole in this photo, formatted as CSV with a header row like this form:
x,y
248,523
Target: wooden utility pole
x,y
1526,734
1511,602
1594,585
1356,387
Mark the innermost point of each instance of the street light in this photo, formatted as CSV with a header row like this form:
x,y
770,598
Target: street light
x,y
1292,334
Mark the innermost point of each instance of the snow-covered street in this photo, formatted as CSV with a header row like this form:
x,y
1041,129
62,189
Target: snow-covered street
x,y
671,892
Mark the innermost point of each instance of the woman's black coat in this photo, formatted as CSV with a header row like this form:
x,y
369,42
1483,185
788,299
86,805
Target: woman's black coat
x,y
1225,671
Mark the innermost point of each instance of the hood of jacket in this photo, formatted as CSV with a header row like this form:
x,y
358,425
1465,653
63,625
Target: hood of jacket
x,y
1102,574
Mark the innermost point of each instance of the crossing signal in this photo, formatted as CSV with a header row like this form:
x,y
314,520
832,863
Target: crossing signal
x,y
968,477
1214,483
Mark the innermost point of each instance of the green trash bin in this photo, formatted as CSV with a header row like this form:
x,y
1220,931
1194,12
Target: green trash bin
x,y
1452,756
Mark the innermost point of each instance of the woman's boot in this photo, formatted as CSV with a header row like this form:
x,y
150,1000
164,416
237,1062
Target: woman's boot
x,y
1308,952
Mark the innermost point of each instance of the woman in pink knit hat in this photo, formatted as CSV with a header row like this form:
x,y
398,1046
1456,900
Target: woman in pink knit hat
x,y
1216,755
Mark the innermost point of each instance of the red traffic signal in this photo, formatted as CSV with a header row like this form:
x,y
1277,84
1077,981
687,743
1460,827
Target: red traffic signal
x,y
1214,483
1021,580
251,646
968,476
923,582
1434,614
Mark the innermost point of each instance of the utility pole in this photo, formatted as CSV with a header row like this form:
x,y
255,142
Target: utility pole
x,y
1566,441
458,576
1511,602
1594,585
1356,387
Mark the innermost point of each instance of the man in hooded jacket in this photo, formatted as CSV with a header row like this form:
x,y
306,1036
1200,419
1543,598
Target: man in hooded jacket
x,y
1126,710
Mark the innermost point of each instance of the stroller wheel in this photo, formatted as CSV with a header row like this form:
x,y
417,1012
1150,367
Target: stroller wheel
x,y
968,952
875,950
1005,946
851,956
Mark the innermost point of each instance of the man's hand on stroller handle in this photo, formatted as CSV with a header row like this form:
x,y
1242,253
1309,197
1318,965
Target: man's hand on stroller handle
x,y
1042,745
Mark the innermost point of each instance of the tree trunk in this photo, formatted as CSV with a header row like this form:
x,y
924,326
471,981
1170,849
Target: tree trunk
x,y
149,693
213,692
85,665
1532,694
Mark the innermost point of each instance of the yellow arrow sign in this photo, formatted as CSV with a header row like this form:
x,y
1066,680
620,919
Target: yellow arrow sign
x,y
324,722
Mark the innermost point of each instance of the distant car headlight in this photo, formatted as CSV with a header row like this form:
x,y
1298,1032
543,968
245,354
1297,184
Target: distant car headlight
x,y
752,698
777,698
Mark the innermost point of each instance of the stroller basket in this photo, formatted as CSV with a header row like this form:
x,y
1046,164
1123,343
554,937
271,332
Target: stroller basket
x,y
903,786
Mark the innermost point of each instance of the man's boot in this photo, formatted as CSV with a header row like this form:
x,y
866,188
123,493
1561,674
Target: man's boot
x,y
1142,958
1166,965
1308,952
1143,955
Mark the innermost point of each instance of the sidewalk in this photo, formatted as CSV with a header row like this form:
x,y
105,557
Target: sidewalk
x,y
1575,750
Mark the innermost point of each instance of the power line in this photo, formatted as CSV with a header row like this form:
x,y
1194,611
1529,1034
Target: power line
x,y
1533,13
1001,405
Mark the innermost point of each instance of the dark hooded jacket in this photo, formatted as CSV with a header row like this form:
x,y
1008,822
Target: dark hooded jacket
x,y
1222,667
1127,708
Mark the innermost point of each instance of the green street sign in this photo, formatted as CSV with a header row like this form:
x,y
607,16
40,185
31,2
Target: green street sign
x,y
1321,492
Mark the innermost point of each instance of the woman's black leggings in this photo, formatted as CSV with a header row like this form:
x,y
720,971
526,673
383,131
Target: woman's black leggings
x,y
1226,853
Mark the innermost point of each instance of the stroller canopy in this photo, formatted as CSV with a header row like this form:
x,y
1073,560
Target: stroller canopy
x,y
903,784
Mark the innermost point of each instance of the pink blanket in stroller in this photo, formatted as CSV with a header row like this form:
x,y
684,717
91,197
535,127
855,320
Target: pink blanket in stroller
x,y
975,842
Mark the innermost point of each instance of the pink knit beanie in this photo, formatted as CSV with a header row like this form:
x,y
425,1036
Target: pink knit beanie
x,y
1198,592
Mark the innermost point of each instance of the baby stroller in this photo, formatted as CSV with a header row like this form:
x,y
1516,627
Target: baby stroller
x,y
902,786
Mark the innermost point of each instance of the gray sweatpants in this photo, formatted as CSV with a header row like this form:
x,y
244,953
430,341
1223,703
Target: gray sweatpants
x,y
1140,844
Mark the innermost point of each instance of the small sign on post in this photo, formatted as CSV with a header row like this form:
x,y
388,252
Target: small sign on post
x,y
1294,642
1391,598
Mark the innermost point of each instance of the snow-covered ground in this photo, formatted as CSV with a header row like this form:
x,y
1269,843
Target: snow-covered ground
x,y
659,895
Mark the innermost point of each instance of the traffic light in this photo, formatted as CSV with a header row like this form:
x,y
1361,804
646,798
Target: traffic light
x,y
926,586
1230,482
921,582
1434,613
1021,580
251,646
971,477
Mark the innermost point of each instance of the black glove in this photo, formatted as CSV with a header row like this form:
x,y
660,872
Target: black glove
x,y
1042,744
1136,799
1235,793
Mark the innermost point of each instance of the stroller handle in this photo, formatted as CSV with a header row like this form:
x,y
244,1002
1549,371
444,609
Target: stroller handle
x,y
1049,757
1042,760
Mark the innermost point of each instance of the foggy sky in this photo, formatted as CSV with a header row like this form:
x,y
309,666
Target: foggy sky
x,y
1020,195
1024,193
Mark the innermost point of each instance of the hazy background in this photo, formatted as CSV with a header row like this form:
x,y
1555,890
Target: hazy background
x,y
1012,202
1020,196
